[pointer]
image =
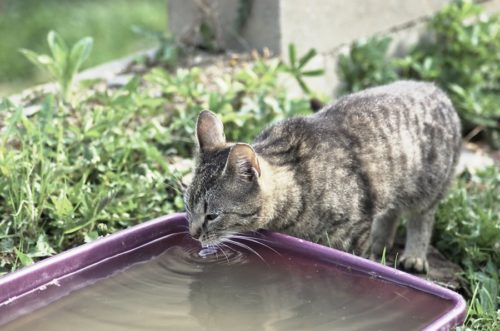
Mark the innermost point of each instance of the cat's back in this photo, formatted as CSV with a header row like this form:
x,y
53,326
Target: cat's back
x,y
406,124
390,104
405,119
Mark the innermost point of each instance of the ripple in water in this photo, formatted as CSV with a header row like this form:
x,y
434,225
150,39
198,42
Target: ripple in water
x,y
186,288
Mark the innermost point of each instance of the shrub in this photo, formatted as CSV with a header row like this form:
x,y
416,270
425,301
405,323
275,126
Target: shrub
x,y
461,56
366,64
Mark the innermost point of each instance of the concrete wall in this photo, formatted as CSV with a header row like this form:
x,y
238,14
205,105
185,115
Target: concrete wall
x,y
329,26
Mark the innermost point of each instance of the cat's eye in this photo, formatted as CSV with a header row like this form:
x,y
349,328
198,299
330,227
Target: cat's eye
x,y
211,217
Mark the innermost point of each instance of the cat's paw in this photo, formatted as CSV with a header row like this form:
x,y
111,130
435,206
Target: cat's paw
x,y
377,249
414,264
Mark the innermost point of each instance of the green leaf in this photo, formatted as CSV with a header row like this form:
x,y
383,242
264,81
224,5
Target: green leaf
x,y
90,236
62,206
42,61
28,125
311,73
6,245
292,55
32,57
306,58
179,202
79,54
45,60
303,85
42,248
58,48
23,258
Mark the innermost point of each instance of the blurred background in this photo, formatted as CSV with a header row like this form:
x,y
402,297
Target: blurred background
x,y
25,24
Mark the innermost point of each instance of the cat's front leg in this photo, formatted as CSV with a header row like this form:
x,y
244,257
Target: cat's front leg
x,y
383,231
418,236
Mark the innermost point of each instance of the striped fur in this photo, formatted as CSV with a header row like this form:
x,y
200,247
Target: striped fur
x,y
348,172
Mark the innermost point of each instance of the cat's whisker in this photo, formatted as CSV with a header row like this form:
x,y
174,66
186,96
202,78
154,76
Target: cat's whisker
x,y
229,247
180,232
257,235
215,250
254,240
219,247
242,245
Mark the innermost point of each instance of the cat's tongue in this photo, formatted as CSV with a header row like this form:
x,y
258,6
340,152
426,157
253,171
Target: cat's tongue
x,y
206,251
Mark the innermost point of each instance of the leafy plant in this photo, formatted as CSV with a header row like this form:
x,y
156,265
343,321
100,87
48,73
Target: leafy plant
x,y
482,313
468,221
246,101
366,65
64,63
467,231
296,67
462,56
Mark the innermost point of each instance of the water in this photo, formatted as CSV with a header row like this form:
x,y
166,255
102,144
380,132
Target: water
x,y
236,290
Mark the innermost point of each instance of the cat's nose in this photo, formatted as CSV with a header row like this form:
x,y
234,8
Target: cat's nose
x,y
195,232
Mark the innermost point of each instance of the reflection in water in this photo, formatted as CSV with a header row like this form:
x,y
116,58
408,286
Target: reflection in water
x,y
236,290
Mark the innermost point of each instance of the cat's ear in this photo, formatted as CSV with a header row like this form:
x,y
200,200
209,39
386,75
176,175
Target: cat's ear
x,y
209,131
242,163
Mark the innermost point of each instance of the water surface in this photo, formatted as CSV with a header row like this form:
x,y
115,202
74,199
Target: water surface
x,y
236,290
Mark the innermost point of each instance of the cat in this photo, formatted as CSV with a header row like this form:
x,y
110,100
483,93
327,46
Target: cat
x,y
349,172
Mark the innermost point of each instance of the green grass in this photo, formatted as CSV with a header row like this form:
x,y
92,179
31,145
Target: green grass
x,y
467,231
25,24
70,175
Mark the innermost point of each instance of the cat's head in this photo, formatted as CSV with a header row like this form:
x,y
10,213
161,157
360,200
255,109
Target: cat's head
x,y
225,195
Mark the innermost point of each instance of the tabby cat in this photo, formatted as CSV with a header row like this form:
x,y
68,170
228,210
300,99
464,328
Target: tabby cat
x,y
348,172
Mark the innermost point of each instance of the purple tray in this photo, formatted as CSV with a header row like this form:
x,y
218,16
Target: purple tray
x,y
36,286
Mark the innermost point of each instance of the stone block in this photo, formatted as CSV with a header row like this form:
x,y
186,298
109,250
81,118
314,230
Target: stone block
x,y
326,25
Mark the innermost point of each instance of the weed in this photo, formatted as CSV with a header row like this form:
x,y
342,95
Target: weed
x,y
382,258
105,171
247,101
64,63
295,67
